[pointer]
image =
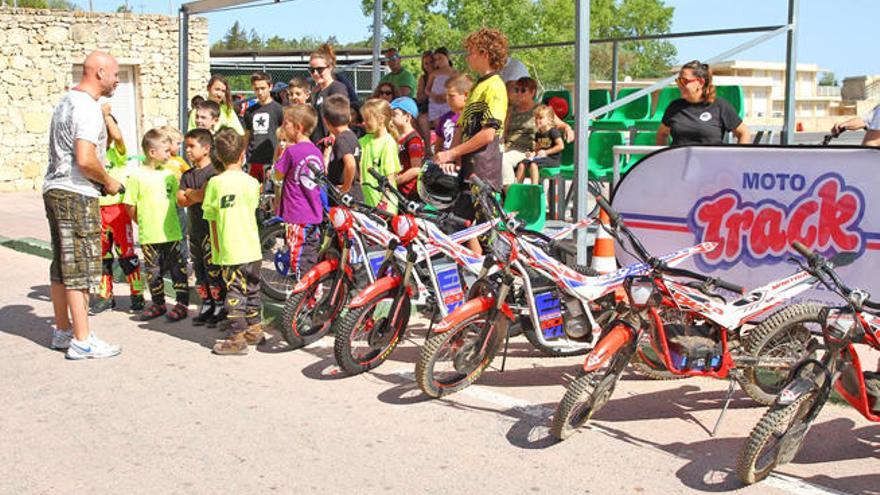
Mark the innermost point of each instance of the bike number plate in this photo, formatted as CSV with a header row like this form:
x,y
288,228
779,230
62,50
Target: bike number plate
x,y
376,258
549,315
450,287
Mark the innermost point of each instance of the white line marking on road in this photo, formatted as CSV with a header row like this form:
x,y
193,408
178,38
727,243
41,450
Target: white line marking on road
x,y
484,394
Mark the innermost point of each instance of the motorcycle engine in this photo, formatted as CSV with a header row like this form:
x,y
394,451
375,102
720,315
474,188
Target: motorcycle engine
x,y
694,347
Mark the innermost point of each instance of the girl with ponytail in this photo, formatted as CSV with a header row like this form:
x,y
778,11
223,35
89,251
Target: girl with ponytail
x,y
321,65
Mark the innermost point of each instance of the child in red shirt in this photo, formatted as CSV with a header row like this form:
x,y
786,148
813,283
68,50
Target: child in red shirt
x,y
412,148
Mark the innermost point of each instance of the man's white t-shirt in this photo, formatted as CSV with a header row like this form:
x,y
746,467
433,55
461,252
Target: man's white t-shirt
x,y
873,119
77,116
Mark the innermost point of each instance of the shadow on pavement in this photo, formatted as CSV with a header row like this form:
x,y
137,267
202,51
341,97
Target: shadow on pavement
x,y
183,329
866,484
712,461
20,320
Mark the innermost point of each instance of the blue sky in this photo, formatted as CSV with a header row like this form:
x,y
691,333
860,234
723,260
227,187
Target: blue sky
x,y
836,35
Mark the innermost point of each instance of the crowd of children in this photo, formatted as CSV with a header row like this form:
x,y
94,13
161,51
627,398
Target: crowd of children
x,y
202,210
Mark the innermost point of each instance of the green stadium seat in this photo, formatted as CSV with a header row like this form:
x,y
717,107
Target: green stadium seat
x,y
666,96
600,163
598,99
734,96
624,117
527,200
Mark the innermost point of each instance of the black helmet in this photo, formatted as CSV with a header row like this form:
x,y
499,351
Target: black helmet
x,y
436,187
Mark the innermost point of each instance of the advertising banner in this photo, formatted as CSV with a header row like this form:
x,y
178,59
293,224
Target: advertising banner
x,y
754,201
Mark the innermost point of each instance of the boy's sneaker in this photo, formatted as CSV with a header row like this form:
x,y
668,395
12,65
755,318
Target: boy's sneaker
x,y
91,348
233,346
205,312
102,304
254,334
152,311
218,316
60,338
177,313
138,302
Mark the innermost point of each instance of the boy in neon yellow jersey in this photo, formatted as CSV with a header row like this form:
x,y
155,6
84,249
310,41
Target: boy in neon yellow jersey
x,y
116,229
229,206
151,196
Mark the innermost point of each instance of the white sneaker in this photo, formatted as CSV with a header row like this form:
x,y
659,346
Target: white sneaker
x,y
91,348
60,339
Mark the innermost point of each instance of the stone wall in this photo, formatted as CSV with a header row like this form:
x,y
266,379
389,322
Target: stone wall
x,y
38,49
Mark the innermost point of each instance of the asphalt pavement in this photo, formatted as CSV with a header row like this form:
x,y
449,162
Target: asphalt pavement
x,y
167,416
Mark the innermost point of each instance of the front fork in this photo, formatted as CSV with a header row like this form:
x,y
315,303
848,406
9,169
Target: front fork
x,y
400,295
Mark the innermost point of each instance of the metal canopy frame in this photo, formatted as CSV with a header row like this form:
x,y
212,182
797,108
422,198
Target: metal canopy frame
x,y
582,77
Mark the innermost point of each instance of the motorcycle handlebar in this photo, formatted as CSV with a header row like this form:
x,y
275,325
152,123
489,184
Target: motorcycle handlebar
x,y
717,282
803,250
456,221
732,287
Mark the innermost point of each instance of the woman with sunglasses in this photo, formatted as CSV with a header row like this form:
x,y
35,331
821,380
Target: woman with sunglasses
x,y
385,91
321,65
698,117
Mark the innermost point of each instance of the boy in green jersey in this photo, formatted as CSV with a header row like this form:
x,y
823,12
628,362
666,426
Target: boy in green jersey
x,y
151,199
229,206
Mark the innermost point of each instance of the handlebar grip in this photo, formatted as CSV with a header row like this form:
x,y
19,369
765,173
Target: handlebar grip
x,y
533,233
479,183
613,215
382,213
732,287
802,250
376,174
457,221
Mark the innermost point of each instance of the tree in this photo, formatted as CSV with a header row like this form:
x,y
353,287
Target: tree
x,y
46,4
411,24
828,79
124,9
234,39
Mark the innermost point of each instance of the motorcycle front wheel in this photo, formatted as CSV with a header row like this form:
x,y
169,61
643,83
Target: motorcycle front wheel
x,y
308,315
775,439
451,361
368,334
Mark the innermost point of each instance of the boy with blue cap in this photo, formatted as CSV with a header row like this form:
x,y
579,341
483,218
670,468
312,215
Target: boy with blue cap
x,y
404,111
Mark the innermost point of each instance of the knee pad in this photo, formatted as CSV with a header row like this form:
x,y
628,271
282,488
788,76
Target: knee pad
x,y
129,265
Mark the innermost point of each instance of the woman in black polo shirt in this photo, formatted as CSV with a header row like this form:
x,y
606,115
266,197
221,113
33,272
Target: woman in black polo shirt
x,y
698,117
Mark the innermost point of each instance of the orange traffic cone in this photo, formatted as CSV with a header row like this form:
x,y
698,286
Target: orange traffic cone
x,y
603,249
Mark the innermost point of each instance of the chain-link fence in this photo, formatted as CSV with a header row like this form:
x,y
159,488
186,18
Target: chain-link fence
x,y
239,74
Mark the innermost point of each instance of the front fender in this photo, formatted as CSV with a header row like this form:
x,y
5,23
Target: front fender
x,y
794,390
471,308
381,285
616,338
316,273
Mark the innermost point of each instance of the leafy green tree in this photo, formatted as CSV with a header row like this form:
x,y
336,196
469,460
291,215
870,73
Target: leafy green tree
x,y
411,24
828,79
236,38
46,4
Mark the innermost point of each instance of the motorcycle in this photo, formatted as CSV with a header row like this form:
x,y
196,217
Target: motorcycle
x,y
345,264
463,345
781,432
377,317
690,328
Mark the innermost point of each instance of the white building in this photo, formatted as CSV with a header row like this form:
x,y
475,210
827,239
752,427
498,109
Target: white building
x,y
816,107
